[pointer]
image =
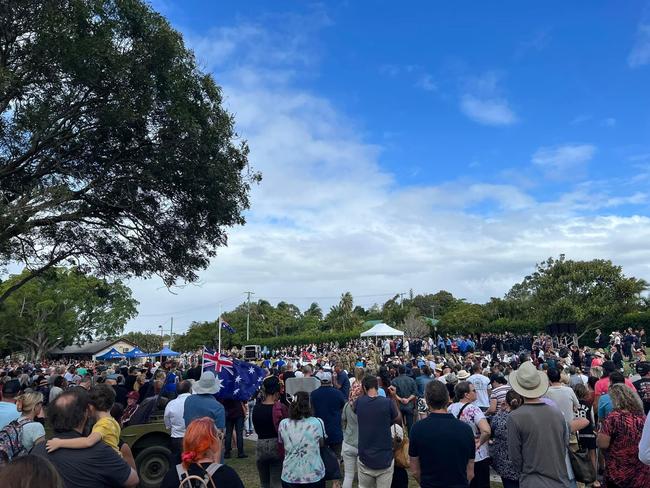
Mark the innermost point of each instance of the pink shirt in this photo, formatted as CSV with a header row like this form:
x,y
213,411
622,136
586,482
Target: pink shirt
x,y
602,385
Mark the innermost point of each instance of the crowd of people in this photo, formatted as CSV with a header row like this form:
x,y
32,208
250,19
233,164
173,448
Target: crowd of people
x,y
447,411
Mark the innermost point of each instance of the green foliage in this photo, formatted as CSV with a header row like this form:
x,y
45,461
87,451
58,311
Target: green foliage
x,y
318,338
199,334
62,306
592,293
344,316
116,153
147,342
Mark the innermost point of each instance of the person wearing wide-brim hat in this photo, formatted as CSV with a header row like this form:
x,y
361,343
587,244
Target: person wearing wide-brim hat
x,y
202,403
462,375
538,435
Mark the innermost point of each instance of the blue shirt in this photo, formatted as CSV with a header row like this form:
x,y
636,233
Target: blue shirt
x,y
375,416
422,381
344,381
8,412
197,406
328,404
605,406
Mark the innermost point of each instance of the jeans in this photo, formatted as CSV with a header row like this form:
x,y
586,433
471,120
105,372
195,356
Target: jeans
x,y
238,425
175,451
251,405
269,463
350,456
408,419
375,478
481,474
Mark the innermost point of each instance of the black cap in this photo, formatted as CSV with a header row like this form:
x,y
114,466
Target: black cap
x,y
643,368
11,388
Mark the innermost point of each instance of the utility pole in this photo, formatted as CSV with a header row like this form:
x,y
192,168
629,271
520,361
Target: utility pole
x,y
171,333
248,317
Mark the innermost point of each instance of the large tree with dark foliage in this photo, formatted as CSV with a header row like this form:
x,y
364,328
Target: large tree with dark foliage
x,y
62,306
116,153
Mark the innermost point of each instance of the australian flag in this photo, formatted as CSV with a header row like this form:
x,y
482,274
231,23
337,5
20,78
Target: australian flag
x,y
225,325
237,380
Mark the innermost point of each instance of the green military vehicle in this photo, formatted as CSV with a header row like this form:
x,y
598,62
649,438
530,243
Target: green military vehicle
x,y
150,444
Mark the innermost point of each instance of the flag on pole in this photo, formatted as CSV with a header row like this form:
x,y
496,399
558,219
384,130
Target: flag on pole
x,y
225,325
236,380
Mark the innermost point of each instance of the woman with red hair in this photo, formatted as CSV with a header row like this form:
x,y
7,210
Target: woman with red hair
x,y
201,456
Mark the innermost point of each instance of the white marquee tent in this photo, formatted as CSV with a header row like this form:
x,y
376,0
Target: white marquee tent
x,y
382,330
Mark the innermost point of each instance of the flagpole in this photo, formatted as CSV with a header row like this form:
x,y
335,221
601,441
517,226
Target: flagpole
x,y
219,326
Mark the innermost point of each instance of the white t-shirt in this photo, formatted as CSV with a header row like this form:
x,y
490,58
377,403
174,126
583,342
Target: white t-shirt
x,y
481,384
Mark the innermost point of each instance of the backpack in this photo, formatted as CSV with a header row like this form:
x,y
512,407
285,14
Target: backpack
x,y
188,480
10,444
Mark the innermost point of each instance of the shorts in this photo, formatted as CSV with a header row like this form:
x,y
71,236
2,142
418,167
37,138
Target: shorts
x,y
588,442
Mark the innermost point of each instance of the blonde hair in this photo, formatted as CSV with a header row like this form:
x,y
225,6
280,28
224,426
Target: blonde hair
x,y
359,373
27,402
139,381
623,398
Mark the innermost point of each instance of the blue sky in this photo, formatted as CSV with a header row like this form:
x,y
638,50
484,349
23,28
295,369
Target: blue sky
x,y
423,145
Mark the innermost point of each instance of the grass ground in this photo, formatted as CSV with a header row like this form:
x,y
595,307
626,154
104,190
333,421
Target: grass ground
x,y
248,471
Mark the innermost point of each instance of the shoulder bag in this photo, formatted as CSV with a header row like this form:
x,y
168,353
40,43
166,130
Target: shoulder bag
x,y
401,448
330,461
583,468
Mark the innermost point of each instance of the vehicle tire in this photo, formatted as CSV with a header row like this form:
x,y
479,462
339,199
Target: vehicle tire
x,y
153,464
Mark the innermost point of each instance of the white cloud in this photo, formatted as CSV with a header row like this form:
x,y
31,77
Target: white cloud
x,y
565,161
640,54
328,218
488,112
483,102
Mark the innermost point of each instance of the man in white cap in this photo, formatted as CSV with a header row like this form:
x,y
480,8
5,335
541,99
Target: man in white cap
x,y
538,435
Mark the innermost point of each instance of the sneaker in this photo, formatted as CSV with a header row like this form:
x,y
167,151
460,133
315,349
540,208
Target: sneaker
x,y
242,456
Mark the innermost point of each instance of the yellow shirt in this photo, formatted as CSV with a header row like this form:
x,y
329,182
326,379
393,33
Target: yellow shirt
x,y
109,429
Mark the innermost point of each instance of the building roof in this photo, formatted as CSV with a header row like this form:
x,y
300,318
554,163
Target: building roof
x,y
88,347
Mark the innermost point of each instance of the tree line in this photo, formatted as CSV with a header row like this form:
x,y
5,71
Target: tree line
x,y
593,294
63,306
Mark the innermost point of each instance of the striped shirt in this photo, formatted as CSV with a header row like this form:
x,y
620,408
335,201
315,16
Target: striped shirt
x,y
499,394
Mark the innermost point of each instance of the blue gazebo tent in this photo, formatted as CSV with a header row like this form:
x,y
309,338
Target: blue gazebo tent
x,y
136,352
112,354
165,352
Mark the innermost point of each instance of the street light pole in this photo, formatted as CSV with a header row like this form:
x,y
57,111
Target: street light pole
x,y
161,341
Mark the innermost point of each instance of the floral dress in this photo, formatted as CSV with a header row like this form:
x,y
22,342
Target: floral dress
x,y
499,447
302,461
622,456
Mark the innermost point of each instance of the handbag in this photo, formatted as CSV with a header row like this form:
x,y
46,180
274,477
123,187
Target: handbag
x,y
330,461
401,450
583,468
